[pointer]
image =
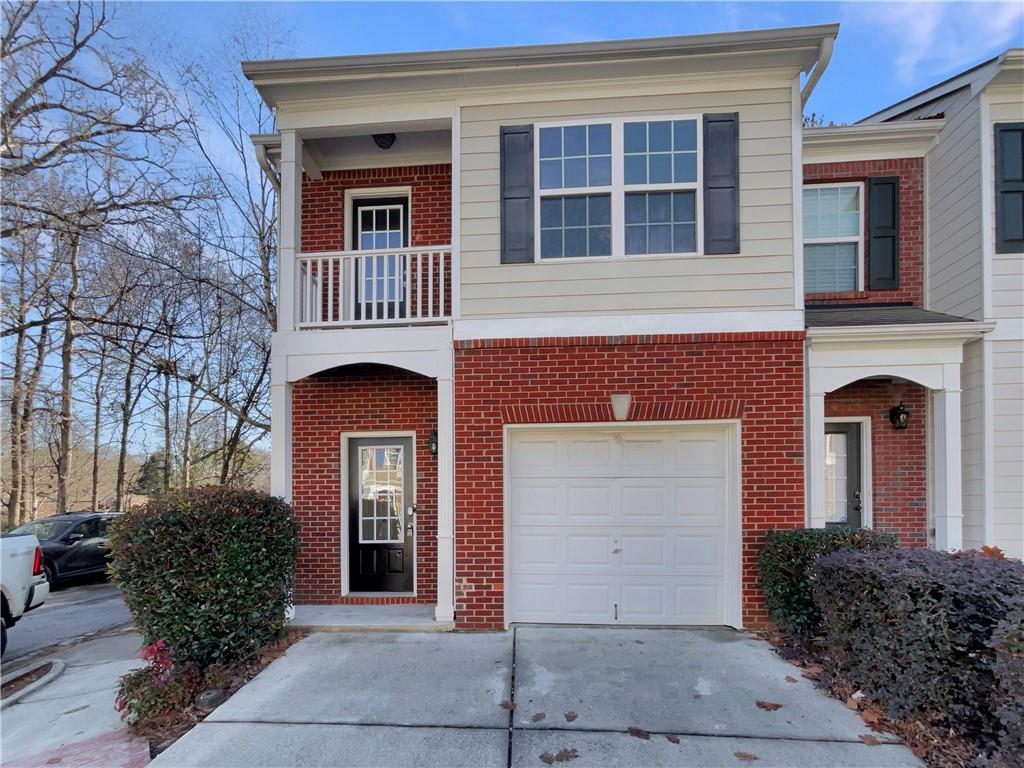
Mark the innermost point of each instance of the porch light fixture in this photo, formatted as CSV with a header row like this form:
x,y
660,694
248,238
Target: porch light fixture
x,y
620,406
899,416
432,443
384,140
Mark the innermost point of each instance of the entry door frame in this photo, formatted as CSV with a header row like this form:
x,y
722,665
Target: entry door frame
x,y
343,511
734,564
866,445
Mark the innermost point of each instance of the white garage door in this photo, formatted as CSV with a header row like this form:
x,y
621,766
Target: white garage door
x,y
623,526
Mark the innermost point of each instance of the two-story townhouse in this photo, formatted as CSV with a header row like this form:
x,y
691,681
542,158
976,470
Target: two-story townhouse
x,y
542,352
974,231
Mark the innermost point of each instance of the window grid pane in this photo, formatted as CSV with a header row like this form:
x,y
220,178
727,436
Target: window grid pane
x,y
661,222
576,156
381,495
660,152
831,212
574,226
830,267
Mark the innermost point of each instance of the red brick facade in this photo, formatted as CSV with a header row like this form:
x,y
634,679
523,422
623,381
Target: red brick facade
x,y
756,376
369,398
911,241
899,456
323,204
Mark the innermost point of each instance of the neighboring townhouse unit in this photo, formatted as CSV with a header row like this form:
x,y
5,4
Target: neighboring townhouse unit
x,y
542,350
975,268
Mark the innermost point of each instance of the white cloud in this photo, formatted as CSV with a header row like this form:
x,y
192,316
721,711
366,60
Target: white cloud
x,y
933,39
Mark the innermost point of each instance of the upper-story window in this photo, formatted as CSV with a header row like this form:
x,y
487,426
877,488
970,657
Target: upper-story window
x,y
833,237
1009,207
621,187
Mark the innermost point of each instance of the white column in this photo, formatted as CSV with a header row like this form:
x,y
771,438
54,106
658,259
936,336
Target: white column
x,y
816,459
445,610
281,440
290,230
948,498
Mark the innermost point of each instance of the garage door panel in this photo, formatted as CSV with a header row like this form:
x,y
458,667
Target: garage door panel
x,y
627,526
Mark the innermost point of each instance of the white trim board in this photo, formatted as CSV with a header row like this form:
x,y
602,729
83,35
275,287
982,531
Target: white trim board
x,y
629,325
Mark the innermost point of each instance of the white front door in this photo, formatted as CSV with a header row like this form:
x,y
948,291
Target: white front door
x,y
632,525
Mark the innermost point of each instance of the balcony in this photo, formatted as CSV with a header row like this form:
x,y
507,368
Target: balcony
x,y
393,287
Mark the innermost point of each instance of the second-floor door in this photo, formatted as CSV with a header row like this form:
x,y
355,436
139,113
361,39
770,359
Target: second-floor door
x,y
380,224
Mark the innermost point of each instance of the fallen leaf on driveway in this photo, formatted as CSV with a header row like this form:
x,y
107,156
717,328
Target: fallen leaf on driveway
x,y
768,706
871,716
672,737
790,679
851,703
570,716
812,672
870,740
639,733
547,757
508,705
746,757
537,717
565,755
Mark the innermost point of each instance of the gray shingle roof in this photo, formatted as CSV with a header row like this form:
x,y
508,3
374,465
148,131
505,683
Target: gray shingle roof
x,y
880,314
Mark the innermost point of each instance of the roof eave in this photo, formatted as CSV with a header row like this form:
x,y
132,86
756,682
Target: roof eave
x,y
951,331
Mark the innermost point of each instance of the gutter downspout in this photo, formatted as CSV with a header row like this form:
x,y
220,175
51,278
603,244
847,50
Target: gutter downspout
x,y
264,161
824,57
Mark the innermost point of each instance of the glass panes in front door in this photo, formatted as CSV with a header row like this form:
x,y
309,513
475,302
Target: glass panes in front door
x,y
836,463
381,495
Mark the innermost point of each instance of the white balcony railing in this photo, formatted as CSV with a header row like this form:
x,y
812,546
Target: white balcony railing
x,y
388,287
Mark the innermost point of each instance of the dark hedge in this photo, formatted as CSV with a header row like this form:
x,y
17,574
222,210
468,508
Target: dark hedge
x,y
784,562
918,630
209,571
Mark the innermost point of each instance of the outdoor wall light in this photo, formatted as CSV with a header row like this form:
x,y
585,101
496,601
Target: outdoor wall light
x,y
432,443
899,416
384,140
620,406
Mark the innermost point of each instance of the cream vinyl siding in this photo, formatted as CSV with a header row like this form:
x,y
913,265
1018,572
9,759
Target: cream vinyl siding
x,y
972,436
1005,106
759,277
954,213
1008,445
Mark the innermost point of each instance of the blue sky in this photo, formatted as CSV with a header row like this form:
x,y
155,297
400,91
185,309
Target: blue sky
x,y
885,51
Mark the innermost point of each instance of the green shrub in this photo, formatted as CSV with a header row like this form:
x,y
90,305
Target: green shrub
x,y
159,689
783,565
916,629
209,571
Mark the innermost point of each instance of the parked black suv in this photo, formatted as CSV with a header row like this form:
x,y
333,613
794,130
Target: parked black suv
x,y
75,544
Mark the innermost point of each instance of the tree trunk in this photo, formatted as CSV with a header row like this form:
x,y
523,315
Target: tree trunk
x,y
66,352
28,509
127,408
97,393
14,499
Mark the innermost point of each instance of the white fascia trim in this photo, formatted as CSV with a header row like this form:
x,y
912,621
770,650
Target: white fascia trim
x,y
922,331
629,325
882,141
798,195
988,189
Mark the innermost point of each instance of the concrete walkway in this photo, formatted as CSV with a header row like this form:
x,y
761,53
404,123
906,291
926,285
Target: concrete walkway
x,y
71,721
581,697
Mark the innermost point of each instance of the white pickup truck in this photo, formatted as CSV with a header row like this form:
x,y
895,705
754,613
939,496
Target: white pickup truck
x,y
22,580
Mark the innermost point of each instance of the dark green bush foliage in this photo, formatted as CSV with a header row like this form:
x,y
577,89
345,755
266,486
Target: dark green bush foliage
x,y
916,630
209,571
784,563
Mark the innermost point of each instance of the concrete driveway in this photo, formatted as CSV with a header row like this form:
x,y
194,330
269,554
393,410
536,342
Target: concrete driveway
x,y
581,697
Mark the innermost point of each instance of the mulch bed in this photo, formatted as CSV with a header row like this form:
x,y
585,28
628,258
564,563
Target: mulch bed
x,y
164,731
937,746
13,686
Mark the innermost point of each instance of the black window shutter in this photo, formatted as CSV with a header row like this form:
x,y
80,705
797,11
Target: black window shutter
x,y
1009,141
722,183
883,233
516,194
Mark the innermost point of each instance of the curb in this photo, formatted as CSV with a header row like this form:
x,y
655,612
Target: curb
x,y
49,677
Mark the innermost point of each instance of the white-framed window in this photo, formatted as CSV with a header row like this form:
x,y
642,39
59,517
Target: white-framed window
x,y
833,229
618,187
381,494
